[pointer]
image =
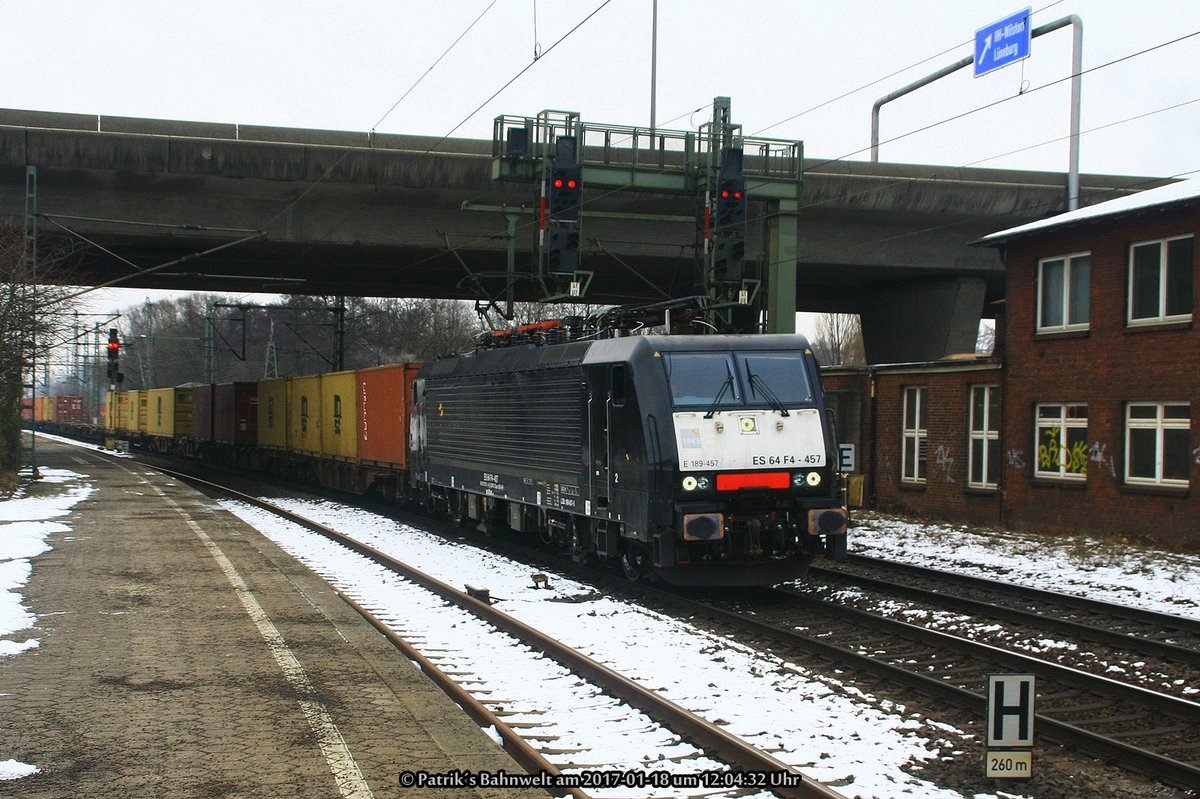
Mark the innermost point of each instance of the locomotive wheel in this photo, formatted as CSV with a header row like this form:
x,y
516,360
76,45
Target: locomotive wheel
x,y
635,566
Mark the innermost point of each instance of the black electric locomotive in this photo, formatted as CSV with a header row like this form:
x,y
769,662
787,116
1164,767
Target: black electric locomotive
x,y
700,460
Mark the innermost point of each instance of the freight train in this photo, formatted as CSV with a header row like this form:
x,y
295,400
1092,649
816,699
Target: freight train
x,y
693,459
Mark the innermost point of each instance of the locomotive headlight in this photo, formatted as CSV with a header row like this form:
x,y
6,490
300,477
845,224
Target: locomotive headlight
x,y
696,482
810,479
689,483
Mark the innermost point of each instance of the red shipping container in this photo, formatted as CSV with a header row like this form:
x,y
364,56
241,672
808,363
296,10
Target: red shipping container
x,y
384,401
202,412
235,413
68,410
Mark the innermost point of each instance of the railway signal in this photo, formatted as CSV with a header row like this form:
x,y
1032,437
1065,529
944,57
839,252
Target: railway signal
x,y
566,185
114,353
562,249
731,204
729,220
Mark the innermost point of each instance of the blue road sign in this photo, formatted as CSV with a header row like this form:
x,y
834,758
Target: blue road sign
x,y
1003,42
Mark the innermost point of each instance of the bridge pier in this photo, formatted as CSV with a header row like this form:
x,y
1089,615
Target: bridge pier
x,y
780,269
925,321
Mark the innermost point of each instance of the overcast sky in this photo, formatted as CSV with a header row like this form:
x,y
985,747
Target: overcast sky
x,y
794,70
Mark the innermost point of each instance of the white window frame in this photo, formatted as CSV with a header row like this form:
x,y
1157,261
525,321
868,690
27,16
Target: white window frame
x,y
1069,464
914,439
1163,273
1160,424
987,432
1064,308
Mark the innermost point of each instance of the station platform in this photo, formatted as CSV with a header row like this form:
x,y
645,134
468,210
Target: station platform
x,y
182,654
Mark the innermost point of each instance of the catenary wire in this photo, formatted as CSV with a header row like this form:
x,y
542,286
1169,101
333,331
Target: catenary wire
x,y
446,52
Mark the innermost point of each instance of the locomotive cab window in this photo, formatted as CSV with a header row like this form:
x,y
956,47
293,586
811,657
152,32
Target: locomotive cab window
x,y
776,376
702,378
718,379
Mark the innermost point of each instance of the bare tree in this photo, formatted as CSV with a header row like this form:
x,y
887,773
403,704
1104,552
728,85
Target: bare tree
x,y
33,318
165,341
839,340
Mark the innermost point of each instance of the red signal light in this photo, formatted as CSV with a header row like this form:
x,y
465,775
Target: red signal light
x,y
112,345
558,183
571,184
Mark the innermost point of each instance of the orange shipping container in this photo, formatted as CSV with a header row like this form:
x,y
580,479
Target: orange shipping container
x,y
384,402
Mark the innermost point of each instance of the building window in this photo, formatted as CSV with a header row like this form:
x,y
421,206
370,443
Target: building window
x,y
984,449
915,444
1160,281
1156,443
1062,441
1064,286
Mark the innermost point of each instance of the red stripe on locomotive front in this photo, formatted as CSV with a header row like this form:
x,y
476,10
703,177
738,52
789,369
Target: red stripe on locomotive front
x,y
734,480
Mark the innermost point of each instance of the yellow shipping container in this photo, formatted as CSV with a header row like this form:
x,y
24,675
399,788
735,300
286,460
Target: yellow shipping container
x,y
121,411
304,414
272,413
169,411
339,415
160,412
183,411
143,409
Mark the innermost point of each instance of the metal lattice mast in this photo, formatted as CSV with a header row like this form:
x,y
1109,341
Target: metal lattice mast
x,y
29,302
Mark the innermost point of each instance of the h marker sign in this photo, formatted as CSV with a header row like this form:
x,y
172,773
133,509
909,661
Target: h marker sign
x,y
1003,42
1010,715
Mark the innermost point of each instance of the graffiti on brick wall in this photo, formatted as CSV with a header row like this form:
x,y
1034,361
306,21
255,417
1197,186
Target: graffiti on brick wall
x,y
1016,458
1098,453
945,461
1052,455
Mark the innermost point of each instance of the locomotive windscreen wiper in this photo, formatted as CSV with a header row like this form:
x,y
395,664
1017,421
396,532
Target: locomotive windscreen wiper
x,y
758,384
728,384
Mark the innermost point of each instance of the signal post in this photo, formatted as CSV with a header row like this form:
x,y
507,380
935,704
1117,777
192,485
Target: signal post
x,y
717,165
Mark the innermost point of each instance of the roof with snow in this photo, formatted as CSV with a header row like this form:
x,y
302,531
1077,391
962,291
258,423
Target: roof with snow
x,y
1143,200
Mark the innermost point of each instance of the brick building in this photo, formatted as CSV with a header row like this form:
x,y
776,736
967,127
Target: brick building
x,y
1102,368
909,424
1084,424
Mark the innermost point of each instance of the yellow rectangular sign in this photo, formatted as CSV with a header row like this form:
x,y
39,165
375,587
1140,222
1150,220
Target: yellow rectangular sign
x,y
1012,764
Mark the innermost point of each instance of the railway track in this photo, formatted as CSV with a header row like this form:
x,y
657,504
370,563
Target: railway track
x,y
1074,716
1160,651
704,758
1133,727
1154,733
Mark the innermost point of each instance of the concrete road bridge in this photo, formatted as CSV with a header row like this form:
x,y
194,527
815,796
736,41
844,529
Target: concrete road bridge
x,y
223,207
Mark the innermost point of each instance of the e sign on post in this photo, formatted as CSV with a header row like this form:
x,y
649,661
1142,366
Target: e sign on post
x,y
1003,42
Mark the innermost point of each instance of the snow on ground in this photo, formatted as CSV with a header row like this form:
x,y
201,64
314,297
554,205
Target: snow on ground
x,y
1073,564
856,743
860,746
25,524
